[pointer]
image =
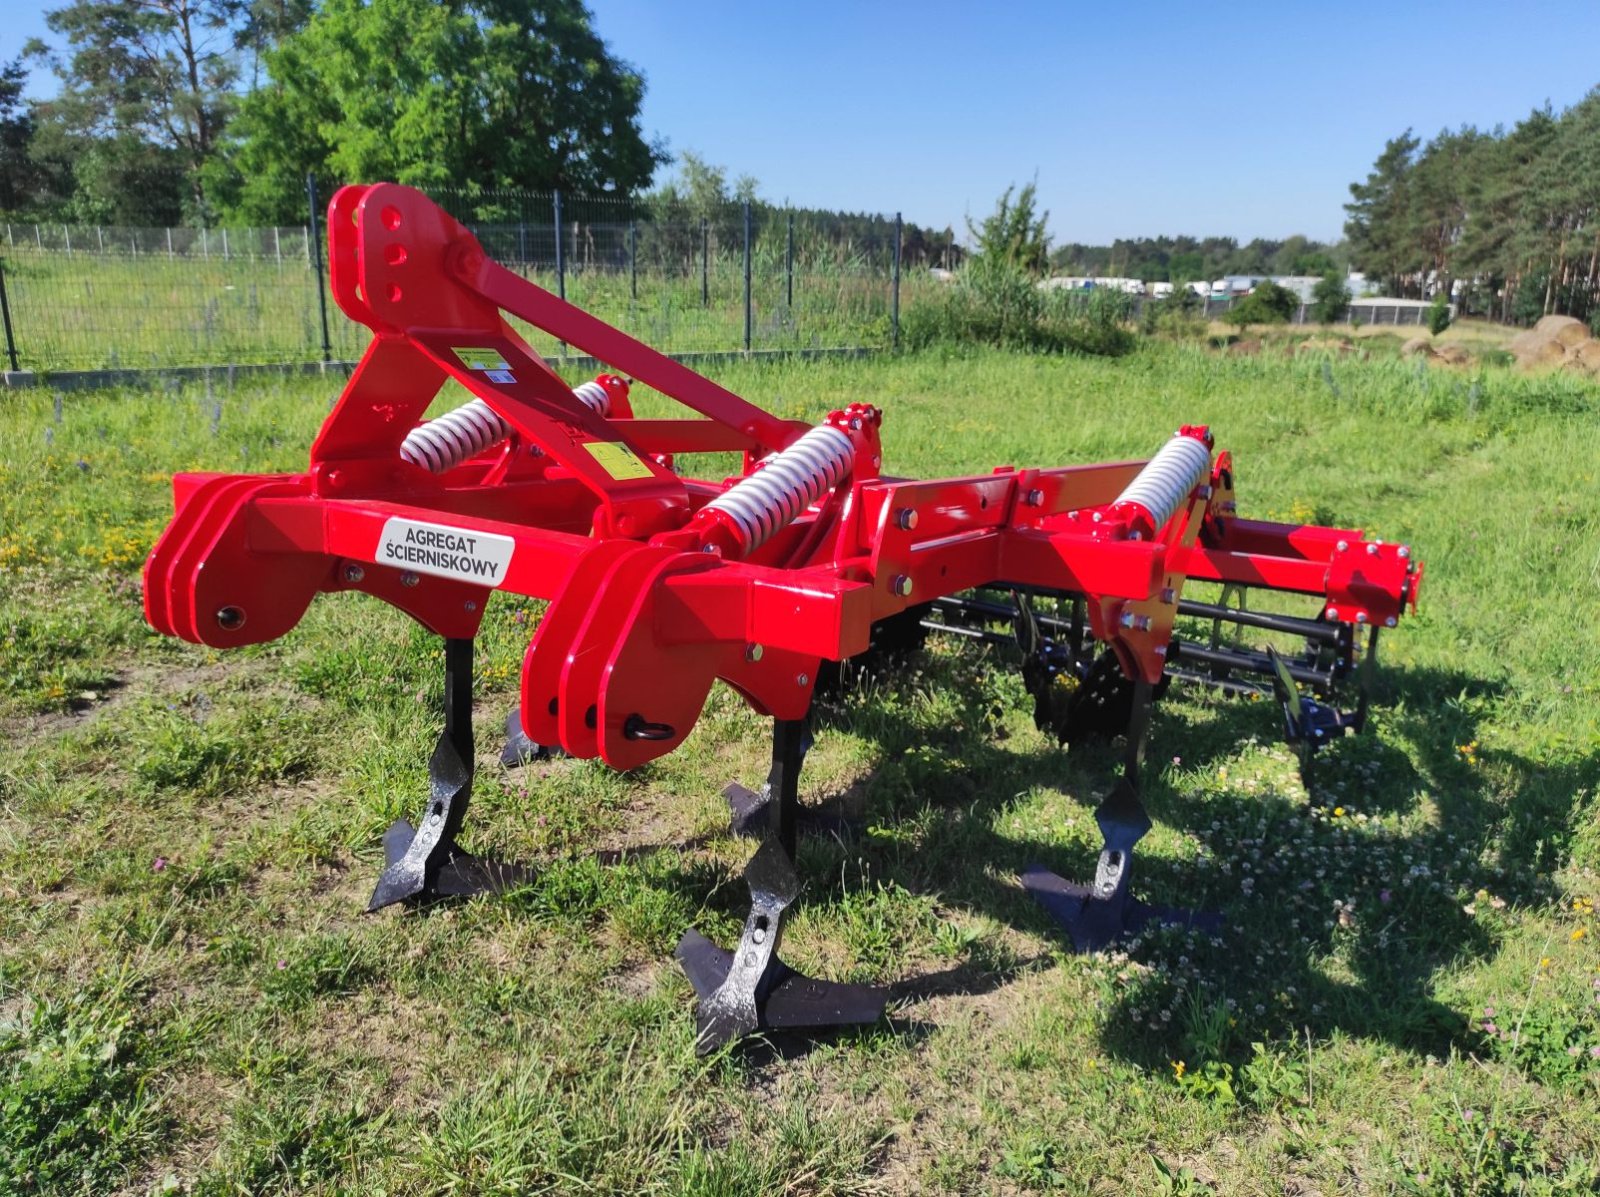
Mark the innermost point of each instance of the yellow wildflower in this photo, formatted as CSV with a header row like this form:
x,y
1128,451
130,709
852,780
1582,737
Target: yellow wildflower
x,y
1178,1069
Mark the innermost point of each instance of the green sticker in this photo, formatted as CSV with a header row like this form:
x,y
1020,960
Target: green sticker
x,y
480,359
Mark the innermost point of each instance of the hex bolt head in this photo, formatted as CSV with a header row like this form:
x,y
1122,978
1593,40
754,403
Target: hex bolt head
x,y
470,606
1390,622
1404,551
1333,613
906,518
409,579
1168,595
753,652
353,573
902,585
230,619
802,679
1372,550
1035,498
1343,546
1361,617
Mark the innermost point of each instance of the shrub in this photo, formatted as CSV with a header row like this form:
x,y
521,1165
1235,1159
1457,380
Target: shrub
x,y
994,304
1330,299
1439,314
1269,303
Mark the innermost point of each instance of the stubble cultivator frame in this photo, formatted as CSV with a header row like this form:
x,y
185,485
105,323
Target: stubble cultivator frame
x,y
660,584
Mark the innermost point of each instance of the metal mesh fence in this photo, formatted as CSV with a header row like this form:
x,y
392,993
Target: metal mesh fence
x,y
724,279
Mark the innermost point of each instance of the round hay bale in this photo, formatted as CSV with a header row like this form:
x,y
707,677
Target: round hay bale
x,y
1569,330
1587,355
1328,345
1454,355
1541,351
1418,346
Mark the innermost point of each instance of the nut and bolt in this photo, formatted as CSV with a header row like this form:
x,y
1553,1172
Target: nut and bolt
x,y
1372,550
906,518
1404,551
1361,617
1333,613
470,606
1139,623
1168,594
753,653
353,573
902,585
1390,622
1343,546
230,619
409,579
802,679
1035,498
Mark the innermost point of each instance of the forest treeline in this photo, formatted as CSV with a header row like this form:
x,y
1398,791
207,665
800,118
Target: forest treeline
x,y
1508,220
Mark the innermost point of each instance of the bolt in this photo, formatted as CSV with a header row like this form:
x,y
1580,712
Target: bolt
x,y
1168,594
1206,492
759,935
1333,613
1404,551
1160,650
906,518
802,679
752,653
1127,619
230,619
901,585
470,606
1035,497
1343,546
353,573
1361,617
1372,550
409,579
1098,517
1390,622
709,548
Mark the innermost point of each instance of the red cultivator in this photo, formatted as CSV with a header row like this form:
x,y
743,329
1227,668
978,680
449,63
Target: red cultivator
x,y
660,584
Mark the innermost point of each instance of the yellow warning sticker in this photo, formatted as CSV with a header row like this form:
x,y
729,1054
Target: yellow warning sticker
x,y
480,359
616,459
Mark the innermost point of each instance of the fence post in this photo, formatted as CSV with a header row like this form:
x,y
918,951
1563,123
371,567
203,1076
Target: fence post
x,y
561,258
169,241
314,245
633,258
705,264
5,312
747,309
788,267
894,311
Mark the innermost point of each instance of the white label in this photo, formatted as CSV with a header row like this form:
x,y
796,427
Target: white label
x,y
446,552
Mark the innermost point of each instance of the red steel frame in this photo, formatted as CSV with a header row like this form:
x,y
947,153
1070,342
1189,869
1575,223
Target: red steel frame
x,y
648,604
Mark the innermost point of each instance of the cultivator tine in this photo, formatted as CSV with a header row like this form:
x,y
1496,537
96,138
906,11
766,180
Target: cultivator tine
x,y
750,989
1309,725
1097,915
520,749
425,862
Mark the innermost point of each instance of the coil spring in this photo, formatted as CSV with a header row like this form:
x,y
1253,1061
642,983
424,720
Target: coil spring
x,y
444,443
786,483
1178,467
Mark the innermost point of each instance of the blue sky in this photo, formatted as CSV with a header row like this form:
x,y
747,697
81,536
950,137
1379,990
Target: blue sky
x,y
1245,119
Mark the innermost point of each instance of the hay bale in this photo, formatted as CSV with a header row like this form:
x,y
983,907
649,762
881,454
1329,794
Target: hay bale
x,y
1328,345
1454,355
1418,347
1568,330
1539,351
1249,348
1586,356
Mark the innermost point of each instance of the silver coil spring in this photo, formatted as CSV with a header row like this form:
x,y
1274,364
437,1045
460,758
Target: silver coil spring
x,y
457,436
786,483
1178,467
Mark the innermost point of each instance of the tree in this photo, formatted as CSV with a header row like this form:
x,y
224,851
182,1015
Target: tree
x,y
1330,299
1380,225
146,86
1014,235
465,94
20,176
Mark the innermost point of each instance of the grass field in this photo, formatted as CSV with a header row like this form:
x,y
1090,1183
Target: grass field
x,y
1406,998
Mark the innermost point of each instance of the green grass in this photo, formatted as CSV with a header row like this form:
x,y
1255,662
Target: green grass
x,y
191,1000
88,311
